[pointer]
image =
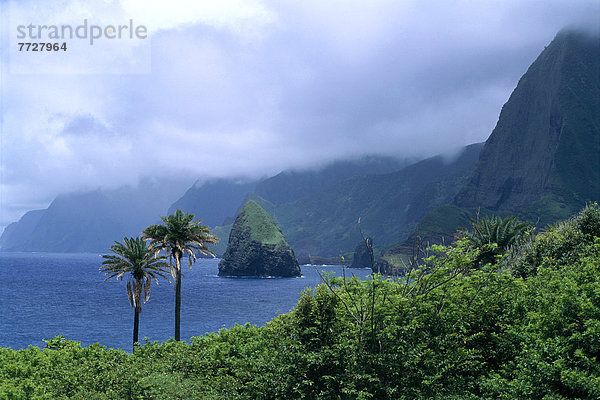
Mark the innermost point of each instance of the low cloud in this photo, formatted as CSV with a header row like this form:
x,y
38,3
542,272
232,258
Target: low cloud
x,y
248,88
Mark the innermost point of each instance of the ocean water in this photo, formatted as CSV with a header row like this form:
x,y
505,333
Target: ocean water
x,y
46,294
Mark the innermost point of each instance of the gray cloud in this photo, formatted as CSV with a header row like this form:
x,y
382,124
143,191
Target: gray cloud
x,y
277,85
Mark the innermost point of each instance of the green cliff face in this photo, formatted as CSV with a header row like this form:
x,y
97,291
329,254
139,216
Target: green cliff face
x,y
389,205
289,186
543,158
257,247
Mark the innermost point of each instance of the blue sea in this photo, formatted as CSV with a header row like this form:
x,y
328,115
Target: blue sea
x,y
46,294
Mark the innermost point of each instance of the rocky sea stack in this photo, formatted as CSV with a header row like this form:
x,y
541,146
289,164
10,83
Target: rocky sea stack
x,y
257,247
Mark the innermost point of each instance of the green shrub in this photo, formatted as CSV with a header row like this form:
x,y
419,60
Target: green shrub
x,y
563,243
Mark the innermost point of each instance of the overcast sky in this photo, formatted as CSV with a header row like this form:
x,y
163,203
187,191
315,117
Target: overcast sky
x,y
236,88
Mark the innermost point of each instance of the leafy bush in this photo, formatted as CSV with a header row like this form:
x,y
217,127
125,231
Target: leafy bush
x,y
563,243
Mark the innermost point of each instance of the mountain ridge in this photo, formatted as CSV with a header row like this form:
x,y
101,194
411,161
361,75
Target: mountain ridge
x,y
546,132
542,160
90,221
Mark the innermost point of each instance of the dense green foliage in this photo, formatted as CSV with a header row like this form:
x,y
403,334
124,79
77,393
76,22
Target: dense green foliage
x,y
564,243
448,331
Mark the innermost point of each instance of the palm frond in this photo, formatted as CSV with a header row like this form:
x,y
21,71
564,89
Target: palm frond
x,y
494,236
135,258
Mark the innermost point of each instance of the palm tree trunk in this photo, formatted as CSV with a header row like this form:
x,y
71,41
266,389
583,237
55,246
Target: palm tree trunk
x,y
136,326
177,297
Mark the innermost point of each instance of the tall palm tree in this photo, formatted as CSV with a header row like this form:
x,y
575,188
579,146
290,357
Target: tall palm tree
x,y
494,236
180,235
134,259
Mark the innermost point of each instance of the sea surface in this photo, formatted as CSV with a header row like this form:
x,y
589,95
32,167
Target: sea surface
x,y
47,294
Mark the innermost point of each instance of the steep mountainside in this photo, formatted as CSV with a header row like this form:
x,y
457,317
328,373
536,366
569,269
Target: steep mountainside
x,y
389,205
213,201
92,221
289,186
18,233
217,202
541,162
543,158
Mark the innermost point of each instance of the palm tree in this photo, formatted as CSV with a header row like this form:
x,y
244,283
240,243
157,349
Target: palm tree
x,y
180,235
494,236
141,265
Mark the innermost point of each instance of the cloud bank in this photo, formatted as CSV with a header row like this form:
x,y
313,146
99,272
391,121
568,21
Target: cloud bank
x,y
248,88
